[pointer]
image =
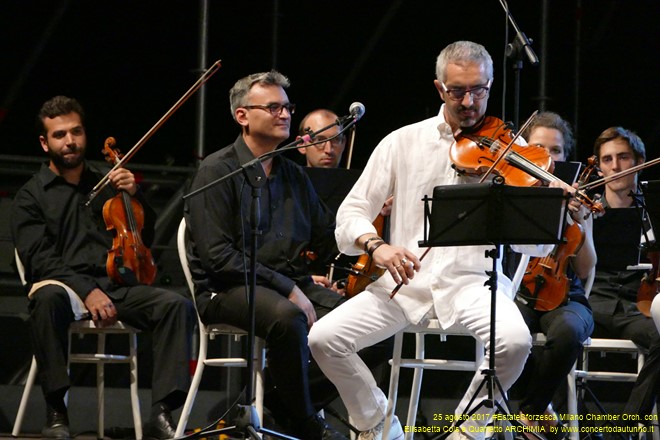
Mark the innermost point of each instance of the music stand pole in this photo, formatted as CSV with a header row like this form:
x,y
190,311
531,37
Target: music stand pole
x,y
498,213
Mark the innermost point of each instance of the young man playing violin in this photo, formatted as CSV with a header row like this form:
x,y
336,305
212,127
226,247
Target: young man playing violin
x,y
617,234
568,324
63,245
448,284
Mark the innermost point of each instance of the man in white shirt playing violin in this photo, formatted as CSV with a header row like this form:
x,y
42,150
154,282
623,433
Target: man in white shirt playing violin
x,y
448,285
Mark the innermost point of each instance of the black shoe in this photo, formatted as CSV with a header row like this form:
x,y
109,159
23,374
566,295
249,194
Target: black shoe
x,y
57,425
316,428
160,427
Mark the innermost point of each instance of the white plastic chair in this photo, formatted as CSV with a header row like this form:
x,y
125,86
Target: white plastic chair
x,y
209,332
419,363
603,346
100,358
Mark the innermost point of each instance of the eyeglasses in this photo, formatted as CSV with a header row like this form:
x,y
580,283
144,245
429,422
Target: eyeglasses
x,y
275,108
477,93
319,142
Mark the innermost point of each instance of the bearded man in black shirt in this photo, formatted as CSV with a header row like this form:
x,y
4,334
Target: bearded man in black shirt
x,y
63,245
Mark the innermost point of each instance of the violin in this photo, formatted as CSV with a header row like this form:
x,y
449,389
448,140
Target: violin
x,y
365,271
649,287
489,147
545,285
129,261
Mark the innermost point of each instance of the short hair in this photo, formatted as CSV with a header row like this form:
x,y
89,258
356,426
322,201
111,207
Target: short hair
x,y
58,106
629,136
238,93
463,51
322,111
553,120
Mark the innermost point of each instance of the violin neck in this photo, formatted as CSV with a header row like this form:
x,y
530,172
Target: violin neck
x,y
128,207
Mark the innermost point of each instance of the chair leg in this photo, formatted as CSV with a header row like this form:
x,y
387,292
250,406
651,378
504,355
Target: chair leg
x,y
100,386
416,388
194,386
135,399
394,383
259,381
572,404
24,398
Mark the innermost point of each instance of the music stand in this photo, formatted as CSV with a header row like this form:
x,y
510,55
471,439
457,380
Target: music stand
x,y
492,214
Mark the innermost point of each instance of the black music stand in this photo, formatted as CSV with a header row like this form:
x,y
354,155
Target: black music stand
x,y
492,214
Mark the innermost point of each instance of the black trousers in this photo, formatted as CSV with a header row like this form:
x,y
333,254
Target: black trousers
x,y
300,386
168,315
565,328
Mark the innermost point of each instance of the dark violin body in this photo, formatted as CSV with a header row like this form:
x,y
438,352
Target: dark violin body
x,y
475,151
129,261
365,270
649,287
545,285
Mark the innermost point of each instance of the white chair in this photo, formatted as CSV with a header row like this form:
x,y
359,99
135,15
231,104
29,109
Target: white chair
x,y
100,358
603,346
419,363
209,332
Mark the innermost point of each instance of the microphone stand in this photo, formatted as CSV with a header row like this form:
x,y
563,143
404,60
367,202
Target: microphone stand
x,y
514,51
308,138
247,420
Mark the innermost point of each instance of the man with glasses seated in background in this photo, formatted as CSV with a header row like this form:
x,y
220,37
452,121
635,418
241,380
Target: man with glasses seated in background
x,y
322,154
292,219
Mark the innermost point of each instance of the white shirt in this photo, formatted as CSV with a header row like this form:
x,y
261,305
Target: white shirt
x,y
409,163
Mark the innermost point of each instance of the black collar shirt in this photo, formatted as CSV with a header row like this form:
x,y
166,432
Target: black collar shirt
x,y
293,220
58,237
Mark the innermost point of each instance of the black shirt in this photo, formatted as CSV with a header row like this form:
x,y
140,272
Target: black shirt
x,y
617,236
58,237
292,220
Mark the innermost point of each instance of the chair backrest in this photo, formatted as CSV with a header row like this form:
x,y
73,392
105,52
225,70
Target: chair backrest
x,y
183,257
589,282
20,268
516,281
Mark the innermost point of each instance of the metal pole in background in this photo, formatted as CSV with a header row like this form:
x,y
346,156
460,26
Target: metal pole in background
x,y
275,34
203,62
543,74
576,73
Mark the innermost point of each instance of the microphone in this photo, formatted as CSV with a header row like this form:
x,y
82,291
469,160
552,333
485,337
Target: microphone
x,y
357,110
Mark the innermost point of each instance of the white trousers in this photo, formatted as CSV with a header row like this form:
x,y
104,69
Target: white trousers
x,y
368,318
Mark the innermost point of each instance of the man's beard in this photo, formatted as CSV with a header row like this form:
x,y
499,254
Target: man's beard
x,y
67,163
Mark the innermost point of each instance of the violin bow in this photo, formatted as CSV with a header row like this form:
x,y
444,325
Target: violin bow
x,y
199,83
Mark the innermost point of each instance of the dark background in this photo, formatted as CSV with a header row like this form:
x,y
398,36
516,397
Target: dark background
x,y
128,62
